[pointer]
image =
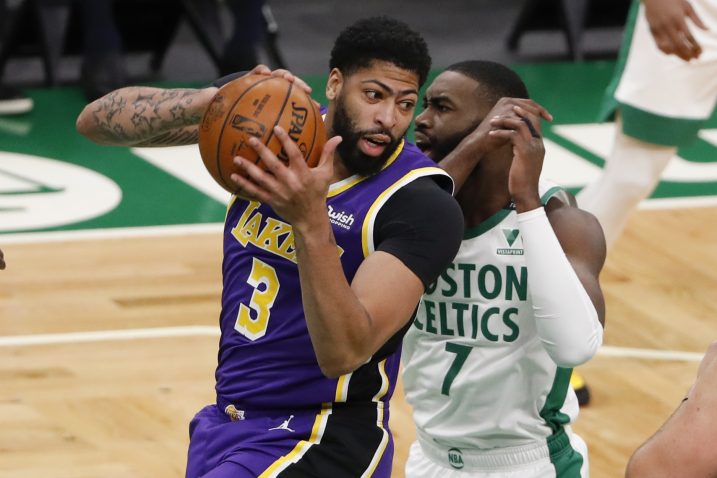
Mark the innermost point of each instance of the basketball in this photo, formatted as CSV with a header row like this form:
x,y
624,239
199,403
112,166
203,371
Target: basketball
x,y
251,106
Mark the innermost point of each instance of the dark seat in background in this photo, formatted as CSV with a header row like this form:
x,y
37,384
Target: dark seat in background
x,y
51,29
572,17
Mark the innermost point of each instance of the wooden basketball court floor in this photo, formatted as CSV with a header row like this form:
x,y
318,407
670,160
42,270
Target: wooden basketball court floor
x,y
116,401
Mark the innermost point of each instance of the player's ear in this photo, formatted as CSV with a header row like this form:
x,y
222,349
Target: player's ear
x,y
333,85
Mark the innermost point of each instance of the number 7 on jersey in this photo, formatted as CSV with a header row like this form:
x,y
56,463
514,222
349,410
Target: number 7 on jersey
x,y
461,352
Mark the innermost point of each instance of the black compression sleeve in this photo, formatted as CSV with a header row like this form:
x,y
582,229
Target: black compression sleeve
x,y
226,79
422,225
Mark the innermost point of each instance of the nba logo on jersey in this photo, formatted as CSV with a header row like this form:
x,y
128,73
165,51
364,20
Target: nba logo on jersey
x,y
455,458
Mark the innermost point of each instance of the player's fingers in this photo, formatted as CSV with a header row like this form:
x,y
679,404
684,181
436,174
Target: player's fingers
x,y
325,166
692,46
301,84
2,260
532,107
683,47
665,43
261,178
507,134
290,77
532,121
248,190
515,124
534,133
293,154
509,104
327,154
260,70
269,161
692,15
683,44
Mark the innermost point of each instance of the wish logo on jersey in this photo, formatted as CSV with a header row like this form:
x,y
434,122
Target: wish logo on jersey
x,y
511,237
340,218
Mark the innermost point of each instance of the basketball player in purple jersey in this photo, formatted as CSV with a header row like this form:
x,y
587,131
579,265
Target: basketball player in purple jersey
x,y
323,268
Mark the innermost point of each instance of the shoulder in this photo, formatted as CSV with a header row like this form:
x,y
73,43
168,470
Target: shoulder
x,y
413,162
579,232
427,196
422,225
561,213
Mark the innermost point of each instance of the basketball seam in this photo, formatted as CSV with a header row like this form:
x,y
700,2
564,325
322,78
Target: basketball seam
x,y
278,118
316,128
219,139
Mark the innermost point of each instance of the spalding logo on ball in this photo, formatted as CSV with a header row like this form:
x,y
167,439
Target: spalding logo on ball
x,y
251,106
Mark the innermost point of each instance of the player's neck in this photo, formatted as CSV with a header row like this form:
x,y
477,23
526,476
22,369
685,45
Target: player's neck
x,y
482,196
341,172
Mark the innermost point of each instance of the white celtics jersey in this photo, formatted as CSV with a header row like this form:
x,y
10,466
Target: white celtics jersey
x,y
475,371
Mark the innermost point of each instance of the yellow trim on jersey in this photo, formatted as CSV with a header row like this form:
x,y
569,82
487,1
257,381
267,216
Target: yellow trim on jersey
x,y
317,432
232,200
342,186
367,229
342,388
379,421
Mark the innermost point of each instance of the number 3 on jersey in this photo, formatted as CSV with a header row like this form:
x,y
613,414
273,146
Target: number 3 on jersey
x,y
261,301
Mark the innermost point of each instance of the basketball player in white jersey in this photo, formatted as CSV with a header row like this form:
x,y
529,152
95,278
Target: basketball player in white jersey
x,y
664,89
489,356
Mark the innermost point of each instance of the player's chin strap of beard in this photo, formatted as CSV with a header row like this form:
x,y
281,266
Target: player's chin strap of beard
x,y
533,131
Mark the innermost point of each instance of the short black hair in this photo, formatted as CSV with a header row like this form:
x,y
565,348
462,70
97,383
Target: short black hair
x,y
496,80
384,39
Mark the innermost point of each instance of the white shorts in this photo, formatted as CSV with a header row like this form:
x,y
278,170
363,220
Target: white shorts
x,y
568,458
661,98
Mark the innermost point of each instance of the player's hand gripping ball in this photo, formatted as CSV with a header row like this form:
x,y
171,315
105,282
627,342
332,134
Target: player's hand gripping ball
x,y
251,106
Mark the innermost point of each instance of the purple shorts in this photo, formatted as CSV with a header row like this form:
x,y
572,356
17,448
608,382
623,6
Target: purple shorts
x,y
337,441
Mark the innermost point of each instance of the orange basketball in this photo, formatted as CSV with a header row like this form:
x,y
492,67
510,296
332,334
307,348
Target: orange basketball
x,y
251,106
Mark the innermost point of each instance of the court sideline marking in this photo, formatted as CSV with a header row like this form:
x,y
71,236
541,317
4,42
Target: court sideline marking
x,y
211,331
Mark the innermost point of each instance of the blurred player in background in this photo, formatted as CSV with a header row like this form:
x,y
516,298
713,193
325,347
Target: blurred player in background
x,y
664,89
315,302
489,357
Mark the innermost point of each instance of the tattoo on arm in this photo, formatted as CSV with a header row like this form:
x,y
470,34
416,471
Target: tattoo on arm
x,y
176,137
151,116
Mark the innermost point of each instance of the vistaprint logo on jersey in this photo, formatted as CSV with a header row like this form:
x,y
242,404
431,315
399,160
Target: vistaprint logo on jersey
x,y
511,236
340,218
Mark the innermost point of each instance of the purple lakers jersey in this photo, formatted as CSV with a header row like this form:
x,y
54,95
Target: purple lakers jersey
x,y
266,359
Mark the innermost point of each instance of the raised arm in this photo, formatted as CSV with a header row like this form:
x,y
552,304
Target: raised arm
x,y
564,252
145,116
460,162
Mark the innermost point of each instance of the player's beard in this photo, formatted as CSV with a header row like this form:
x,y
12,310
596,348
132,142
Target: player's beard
x,y
441,149
353,158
